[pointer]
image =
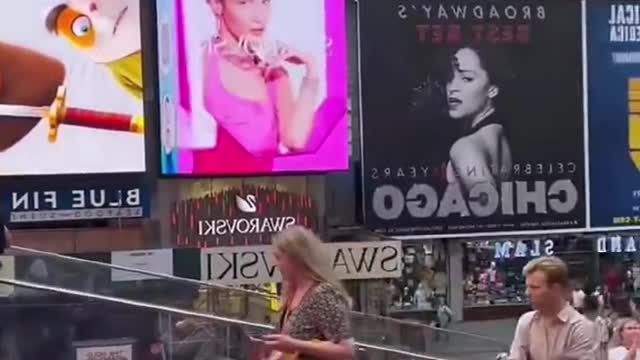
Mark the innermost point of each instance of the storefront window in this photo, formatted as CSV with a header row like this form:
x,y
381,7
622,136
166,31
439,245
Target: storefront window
x,y
619,270
424,282
493,269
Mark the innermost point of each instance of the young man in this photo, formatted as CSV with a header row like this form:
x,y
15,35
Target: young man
x,y
553,330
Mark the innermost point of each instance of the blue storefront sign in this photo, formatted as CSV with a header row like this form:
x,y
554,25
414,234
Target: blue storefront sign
x,y
614,112
77,203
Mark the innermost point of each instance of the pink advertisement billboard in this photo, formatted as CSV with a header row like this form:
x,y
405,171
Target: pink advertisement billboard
x,y
253,87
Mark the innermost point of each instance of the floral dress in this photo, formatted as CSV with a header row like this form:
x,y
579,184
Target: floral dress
x,y
323,314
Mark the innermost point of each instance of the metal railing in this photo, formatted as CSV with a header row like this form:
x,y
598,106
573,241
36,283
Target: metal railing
x,y
367,351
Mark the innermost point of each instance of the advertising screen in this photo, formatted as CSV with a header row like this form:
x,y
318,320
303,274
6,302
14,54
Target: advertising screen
x,y
614,113
253,86
71,87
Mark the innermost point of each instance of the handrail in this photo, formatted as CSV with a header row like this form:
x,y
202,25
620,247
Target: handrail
x,y
141,271
240,290
423,325
167,309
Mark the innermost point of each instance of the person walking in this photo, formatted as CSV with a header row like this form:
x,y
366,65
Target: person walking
x,y
315,322
578,297
5,238
444,315
554,330
628,337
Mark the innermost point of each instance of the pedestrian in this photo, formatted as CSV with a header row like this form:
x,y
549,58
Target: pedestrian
x,y
578,298
444,315
628,334
315,320
5,238
603,323
554,329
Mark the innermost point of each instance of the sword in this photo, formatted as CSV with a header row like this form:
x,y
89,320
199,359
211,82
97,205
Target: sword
x,y
58,113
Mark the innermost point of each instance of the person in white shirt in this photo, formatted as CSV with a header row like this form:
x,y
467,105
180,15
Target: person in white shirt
x,y
444,315
554,330
578,298
629,339
604,321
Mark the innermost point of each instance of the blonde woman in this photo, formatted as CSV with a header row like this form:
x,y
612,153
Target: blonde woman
x,y
315,316
628,340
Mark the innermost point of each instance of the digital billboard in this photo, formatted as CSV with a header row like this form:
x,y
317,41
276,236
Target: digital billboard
x,y
71,87
253,87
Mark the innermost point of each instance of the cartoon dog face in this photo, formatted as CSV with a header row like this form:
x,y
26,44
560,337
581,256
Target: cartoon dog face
x,y
105,30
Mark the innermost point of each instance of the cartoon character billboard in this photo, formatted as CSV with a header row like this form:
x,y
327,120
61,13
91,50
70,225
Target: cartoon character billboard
x,y
71,87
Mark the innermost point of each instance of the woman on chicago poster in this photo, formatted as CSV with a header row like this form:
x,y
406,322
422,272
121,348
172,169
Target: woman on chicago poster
x,y
481,152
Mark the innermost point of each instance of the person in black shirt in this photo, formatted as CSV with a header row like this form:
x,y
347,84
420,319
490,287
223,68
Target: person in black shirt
x,y
5,238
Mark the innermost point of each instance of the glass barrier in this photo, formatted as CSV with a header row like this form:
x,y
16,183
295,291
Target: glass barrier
x,y
418,337
236,303
158,289
43,322
40,324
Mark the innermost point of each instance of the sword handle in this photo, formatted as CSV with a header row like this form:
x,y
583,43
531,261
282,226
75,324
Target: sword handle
x,y
59,114
102,120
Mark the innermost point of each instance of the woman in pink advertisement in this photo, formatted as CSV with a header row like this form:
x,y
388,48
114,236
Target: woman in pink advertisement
x,y
249,92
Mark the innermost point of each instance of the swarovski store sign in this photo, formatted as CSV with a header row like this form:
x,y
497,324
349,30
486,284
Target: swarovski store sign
x,y
244,265
239,215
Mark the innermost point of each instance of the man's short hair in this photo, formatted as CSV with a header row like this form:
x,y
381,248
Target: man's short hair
x,y
554,269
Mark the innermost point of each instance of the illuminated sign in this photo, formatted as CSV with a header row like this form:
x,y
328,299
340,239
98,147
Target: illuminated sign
x,y
76,204
522,248
239,216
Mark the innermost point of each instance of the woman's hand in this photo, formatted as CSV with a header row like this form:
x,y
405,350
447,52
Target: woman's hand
x,y
293,56
281,342
633,350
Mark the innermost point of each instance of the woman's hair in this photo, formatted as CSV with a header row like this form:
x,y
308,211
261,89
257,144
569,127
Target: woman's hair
x,y
493,59
307,251
618,327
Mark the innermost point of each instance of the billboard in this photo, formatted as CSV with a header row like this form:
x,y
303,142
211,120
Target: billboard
x,y
253,87
614,112
71,94
487,127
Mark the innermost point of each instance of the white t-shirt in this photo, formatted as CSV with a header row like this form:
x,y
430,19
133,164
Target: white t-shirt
x,y
618,353
578,299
